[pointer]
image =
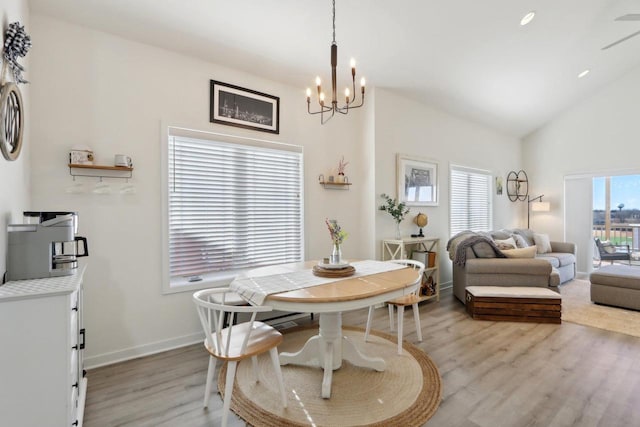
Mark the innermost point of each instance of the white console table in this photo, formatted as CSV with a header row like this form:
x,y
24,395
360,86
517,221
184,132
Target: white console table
x,y
41,361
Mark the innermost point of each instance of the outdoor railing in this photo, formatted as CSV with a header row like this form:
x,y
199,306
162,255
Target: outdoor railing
x,y
619,234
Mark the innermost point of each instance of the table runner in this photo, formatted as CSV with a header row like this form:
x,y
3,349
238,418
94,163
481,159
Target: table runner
x,y
256,289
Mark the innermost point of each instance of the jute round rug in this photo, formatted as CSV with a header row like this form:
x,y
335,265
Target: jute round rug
x,y
407,393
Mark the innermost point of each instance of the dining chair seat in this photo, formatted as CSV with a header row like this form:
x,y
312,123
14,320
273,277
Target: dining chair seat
x,y
233,342
412,299
405,300
263,337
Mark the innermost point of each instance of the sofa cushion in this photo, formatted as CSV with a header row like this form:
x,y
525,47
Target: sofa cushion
x,y
483,250
526,233
529,252
500,234
506,244
555,262
561,258
502,266
520,241
543,243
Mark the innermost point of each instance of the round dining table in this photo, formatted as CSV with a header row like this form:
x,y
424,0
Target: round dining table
x,y
329,348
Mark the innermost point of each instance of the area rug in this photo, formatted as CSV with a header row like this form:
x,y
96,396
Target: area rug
x,y
407,393
578,308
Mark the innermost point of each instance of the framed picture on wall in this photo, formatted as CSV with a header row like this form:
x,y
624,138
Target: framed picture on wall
x,y
236,106
417,180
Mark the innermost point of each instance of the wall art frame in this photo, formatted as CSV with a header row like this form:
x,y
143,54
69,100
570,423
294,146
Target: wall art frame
x,y
417,180
245,108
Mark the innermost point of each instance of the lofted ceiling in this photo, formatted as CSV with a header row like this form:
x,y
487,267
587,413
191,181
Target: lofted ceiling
x,y
470,58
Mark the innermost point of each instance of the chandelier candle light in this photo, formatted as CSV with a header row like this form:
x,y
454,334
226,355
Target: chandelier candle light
x,y
347,93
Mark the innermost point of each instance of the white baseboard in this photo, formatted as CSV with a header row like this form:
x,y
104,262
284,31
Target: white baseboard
x,y
160,346
99,360
582,275
142,350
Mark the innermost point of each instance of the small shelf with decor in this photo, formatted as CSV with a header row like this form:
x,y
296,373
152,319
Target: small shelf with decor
x,y
100,171
407,247
335,185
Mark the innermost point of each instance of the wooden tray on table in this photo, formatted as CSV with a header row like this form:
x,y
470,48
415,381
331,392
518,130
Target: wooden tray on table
x,y
347,271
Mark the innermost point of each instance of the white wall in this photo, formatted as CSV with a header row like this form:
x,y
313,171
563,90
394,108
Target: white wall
x,y
405,126
599,135
14,176
112,94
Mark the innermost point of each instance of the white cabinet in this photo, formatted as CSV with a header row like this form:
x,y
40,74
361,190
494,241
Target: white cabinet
x,y
42,381
404,248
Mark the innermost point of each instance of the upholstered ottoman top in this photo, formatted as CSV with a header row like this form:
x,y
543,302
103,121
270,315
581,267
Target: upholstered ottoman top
x,y
619,276
511,292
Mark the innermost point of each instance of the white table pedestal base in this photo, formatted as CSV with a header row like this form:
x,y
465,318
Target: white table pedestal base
x,y
328,349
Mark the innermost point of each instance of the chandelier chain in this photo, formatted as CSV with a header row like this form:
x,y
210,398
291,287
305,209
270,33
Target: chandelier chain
x,y
334,21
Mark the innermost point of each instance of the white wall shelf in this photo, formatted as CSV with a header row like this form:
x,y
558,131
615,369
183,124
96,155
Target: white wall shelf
x,y
100,171
335,185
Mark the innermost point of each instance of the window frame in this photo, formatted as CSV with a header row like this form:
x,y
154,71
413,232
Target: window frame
x,y
222,278
490,188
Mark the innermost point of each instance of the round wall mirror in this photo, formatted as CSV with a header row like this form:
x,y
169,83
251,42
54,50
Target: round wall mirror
x,y
517,185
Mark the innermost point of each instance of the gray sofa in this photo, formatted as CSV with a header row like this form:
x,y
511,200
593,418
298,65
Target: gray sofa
x,y
485,265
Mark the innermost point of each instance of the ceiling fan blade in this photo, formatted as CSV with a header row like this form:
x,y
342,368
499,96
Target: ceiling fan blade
x,y
629,17
621,40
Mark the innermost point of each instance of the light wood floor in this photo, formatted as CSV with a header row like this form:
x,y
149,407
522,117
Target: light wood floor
x,y
494,374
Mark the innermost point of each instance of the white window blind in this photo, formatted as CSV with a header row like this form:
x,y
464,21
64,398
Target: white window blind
x,y
470,207
232,206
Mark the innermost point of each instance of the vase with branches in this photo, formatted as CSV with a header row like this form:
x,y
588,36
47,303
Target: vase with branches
x,y
397,211
341,166
337,237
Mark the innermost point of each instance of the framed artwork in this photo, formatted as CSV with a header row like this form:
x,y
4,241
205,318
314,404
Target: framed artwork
x,y
498,185
417,180
236,106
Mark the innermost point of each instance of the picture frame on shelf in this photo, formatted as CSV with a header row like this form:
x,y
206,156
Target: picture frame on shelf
x,y
237,106
417,180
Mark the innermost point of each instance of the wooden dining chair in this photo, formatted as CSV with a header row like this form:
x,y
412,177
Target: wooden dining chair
x,y
232,342
412,299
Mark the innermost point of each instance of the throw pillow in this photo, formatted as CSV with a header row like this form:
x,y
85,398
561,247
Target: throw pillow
x,y
506,244
521,242
483,250
542,242
528,252
608,247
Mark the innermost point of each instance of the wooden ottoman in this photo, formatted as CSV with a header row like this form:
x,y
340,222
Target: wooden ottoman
x,y
514,304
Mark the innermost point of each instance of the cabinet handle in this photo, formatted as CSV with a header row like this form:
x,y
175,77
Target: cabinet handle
x,y
75,385
75,308
75,423
75,347
82,334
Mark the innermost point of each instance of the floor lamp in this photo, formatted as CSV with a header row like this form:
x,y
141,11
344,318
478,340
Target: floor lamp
x,y
537,205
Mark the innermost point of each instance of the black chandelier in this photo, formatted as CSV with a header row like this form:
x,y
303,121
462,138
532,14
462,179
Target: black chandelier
x,y
334,100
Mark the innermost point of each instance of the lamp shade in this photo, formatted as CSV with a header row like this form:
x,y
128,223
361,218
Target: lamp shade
x,y
540,206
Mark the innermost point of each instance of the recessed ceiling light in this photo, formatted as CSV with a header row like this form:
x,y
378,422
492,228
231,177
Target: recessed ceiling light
x,y
527,18
584,73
